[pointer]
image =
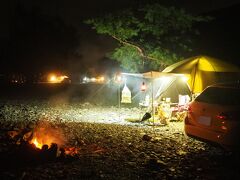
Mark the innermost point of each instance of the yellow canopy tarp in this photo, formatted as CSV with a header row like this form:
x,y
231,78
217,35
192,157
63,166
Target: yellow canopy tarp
x,y
203,71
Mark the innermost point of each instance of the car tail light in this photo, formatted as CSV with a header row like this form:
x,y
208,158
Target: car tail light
x,y
224,128
223,117
189,109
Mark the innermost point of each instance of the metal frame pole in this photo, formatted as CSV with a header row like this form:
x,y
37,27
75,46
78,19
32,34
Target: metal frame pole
x,y
119,98
153,110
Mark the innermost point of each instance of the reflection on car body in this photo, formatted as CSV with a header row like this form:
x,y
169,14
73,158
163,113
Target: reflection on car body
x,y
214,115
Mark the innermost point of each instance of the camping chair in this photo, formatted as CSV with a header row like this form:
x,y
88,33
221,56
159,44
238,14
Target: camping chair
x,y
179,111
164,112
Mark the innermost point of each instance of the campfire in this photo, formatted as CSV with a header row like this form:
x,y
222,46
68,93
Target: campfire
x,y
45,134
44,142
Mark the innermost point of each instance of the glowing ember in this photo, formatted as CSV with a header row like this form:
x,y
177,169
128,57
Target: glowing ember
x,y
71,150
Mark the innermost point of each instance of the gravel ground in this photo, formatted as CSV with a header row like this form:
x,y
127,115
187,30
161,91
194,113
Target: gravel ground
x,y
112,148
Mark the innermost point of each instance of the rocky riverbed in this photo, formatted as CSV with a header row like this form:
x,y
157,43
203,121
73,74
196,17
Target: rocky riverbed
x,y
111,147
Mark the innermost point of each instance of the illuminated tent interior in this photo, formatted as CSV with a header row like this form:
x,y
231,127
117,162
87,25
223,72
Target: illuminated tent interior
x,y
161,85
203,71
162,88
171,87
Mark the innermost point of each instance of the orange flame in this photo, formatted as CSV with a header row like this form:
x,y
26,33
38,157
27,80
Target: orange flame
x,y
36,143
44,139
46,134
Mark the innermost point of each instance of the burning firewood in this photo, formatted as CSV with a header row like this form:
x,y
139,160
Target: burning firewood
x,y
42,144
12,134
27,136
72,151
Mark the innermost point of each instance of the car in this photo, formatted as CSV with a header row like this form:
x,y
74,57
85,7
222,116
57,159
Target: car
x,y
214,115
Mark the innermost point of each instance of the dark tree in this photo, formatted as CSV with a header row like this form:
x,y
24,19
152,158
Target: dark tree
x,y
151,37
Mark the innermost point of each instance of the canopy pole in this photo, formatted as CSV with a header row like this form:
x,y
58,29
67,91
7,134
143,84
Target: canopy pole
x,y
194,76
153,110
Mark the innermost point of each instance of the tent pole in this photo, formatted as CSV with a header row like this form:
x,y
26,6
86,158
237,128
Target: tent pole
x,y
194,76
153,110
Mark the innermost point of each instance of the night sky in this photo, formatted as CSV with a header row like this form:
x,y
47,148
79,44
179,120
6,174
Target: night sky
x,y
39,36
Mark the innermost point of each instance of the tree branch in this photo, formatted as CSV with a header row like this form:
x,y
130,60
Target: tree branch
x,y
130,44
138,49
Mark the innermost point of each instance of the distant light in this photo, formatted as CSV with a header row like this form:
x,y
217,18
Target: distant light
x,y
61,78
64,77
93,79
85,79
53,78
101,78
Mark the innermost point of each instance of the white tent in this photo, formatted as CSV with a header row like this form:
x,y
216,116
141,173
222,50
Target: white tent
x,y
161,85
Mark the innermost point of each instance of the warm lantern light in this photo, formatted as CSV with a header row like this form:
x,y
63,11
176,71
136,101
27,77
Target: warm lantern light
x,y
119,78
143,87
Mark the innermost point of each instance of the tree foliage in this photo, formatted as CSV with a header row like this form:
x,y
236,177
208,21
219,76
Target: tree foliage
x,y
150,37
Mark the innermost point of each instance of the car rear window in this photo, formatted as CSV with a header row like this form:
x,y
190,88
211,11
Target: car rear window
x,y
220,95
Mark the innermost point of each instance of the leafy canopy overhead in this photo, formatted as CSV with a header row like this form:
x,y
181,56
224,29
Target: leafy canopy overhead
x,y
150,37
